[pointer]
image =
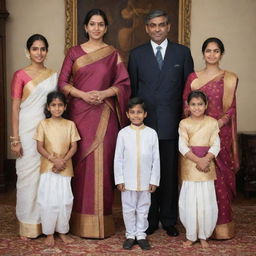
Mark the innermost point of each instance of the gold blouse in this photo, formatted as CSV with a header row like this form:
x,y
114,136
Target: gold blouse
x,y
57,135
196,133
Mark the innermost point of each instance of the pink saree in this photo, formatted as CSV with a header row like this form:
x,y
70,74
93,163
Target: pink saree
x,y
221,105
98,126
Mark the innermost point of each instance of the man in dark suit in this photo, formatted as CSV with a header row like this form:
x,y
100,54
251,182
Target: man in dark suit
x,y
158,75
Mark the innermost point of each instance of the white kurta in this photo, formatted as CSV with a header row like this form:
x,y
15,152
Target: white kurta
x,y
137,161
198,208
136,165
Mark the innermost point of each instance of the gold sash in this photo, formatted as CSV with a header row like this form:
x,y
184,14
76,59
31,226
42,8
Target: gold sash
x,y
31,85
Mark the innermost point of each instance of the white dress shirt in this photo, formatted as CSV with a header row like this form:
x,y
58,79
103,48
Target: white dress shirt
x,y
163,45
137,161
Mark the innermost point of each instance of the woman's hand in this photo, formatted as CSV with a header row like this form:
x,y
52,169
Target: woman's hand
x,y
93,97
100,95
220,123
17,150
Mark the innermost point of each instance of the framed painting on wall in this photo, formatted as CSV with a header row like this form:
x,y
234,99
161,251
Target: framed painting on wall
x,y
126,28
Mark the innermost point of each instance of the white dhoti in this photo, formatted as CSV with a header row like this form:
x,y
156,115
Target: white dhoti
x,y
55,200
135,206
198,209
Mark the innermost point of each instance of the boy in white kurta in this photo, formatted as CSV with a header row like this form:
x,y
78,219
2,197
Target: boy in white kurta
x,y
137,173
199,144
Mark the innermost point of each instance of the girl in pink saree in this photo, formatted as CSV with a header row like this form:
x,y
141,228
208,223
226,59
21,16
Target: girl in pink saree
x,y
220,87
97,84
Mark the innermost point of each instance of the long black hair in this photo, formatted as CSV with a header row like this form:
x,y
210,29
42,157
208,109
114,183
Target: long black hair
x,y
37,37
197,94
91,13
213,40
52,96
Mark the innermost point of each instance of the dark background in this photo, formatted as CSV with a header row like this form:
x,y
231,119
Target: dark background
x,y
126,21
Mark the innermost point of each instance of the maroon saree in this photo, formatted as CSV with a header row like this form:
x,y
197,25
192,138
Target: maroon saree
x,y
221,105
98,126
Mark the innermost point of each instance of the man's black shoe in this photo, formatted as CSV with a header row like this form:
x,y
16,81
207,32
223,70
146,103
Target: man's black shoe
x,y
144,244
150,230
171,231
128,244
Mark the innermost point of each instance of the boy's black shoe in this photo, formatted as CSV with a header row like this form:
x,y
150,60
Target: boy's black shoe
x,y
171,231
128,244
143,244
151,230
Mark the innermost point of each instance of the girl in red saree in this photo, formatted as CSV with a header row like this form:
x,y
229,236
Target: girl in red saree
x,y
220,87
98,86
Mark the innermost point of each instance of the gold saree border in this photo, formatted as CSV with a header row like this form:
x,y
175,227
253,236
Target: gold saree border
x,y
224,231
30,230
86,225
98,184
31,85
101,130
230,83
117,104
92,57
195,85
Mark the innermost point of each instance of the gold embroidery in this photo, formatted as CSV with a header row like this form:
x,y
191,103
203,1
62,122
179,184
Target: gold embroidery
x,y
138,158
101,130
230,82
92,57
30,230
98,184
196,84
224,231
31,85
86,225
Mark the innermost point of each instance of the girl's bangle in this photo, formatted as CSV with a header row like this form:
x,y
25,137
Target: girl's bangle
x,y
15,143
14,138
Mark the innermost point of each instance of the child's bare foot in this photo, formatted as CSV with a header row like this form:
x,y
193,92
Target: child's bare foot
x,y
187,243
49,240
24,238
66,239
204,243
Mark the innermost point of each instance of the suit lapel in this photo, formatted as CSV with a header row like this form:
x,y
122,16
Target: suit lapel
x,y
168,58
152,58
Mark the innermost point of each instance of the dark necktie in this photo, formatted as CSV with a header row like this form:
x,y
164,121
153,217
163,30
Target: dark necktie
x,y
159,57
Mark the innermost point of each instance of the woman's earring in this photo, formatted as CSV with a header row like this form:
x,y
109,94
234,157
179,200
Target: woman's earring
x,y
27,54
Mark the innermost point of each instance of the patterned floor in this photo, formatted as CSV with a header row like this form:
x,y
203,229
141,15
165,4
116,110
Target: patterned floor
x,y
243,244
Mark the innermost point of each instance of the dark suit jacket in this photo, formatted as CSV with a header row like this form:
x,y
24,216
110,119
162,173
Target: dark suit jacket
x,y
161,89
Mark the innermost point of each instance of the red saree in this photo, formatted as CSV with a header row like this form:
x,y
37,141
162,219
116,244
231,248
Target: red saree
x,y
98,126
221,105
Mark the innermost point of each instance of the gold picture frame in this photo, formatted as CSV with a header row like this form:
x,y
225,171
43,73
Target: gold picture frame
x,y
71,23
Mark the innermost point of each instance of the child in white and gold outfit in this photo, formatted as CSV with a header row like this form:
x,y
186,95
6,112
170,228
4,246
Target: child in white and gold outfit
x,y
199,144
137,173
56,142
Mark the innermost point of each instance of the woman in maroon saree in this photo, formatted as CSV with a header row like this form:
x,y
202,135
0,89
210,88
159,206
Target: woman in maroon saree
x,y
97,84
220,87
